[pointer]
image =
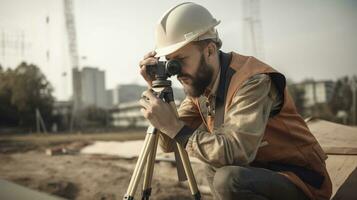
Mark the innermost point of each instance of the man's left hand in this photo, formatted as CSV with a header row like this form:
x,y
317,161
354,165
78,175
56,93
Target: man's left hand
x,y
160,114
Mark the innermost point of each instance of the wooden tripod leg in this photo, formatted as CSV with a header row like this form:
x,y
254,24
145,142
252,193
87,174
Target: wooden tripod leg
x,y
135,178
189,172
149,169
187,166
147,155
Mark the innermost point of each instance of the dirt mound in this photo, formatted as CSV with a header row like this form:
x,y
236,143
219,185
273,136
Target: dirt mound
x,y
10,146
82,177
60,188
104,196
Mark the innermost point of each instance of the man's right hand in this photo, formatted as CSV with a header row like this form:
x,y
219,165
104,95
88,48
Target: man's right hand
x,y
149,59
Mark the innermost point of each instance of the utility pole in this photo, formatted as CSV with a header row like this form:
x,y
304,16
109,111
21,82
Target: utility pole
x,y
353,84
39,122
252,27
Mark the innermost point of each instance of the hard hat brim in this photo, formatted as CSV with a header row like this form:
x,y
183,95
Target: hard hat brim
x,y
172,48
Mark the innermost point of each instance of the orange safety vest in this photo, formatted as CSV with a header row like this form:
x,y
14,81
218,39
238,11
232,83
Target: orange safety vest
x,y
290,143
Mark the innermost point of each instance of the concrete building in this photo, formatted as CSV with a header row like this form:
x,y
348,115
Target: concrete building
x,y
109,93
93,87
127,93
131,92
125,111
128,114
317,92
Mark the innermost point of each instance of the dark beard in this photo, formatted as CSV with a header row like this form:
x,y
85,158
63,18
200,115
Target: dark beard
x,y
201,80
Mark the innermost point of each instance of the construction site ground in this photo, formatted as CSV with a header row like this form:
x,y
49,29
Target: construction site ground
x,y
83,176
25,160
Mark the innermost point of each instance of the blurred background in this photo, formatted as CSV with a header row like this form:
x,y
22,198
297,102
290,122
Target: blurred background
x,y
82,55
71,67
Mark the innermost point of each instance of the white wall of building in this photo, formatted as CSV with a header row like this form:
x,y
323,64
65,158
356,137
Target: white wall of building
x,y
93,87
317,92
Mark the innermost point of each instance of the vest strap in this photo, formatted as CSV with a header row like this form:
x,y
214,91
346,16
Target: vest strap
x,y
224,80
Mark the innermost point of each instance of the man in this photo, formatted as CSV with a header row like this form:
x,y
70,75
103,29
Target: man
x,y
237,117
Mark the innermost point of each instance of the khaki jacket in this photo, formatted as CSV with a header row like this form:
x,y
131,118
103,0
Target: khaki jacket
x,y
288,146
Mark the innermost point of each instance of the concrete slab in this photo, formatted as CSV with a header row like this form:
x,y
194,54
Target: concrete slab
x,y
340,144
341,169
334,138
9,190
126,149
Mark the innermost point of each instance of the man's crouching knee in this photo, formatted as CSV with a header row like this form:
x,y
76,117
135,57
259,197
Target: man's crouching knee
x,y
230,179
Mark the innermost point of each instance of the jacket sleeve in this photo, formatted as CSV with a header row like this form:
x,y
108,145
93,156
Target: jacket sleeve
x,y
189,114
238,139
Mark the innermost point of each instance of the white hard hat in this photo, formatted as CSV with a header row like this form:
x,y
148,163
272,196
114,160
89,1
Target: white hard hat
x,y
182,24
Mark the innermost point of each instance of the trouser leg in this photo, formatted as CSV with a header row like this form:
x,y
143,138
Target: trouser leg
x,y
210,172
249,183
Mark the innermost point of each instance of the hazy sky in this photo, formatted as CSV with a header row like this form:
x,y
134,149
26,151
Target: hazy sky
x,y
301,38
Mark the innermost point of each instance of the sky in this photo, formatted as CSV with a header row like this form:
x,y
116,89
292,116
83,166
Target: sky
x,y
301,38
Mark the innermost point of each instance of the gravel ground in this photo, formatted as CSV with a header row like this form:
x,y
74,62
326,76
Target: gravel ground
x,y
79,176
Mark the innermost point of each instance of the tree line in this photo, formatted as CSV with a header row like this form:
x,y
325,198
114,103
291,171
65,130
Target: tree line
x,y
25,89
22,91
340,105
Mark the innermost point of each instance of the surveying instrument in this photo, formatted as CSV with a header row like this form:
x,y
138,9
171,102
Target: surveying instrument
x,y
163,90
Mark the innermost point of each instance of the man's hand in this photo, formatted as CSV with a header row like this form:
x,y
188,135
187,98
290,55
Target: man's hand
x,y
160,114
149,59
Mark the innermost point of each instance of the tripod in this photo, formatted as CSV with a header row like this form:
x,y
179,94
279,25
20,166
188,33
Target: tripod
x,y
163,90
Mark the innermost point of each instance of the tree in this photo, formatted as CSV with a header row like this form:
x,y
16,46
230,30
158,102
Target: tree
x,y
94,116
22,91
342,96
8,112
297,93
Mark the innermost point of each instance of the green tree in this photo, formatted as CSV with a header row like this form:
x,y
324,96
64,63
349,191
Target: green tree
x,y
23,90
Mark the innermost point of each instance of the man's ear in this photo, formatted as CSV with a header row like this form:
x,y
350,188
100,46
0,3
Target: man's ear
x,y
212,49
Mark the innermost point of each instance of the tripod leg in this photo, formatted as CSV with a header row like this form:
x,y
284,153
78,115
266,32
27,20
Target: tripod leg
x,y
149,170
150,146
187,166
134,181
189,172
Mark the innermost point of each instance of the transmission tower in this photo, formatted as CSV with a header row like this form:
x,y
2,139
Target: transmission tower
x,y
252,27
13,47
73,52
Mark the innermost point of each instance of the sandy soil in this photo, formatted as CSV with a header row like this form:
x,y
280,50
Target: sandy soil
x,y
77,176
